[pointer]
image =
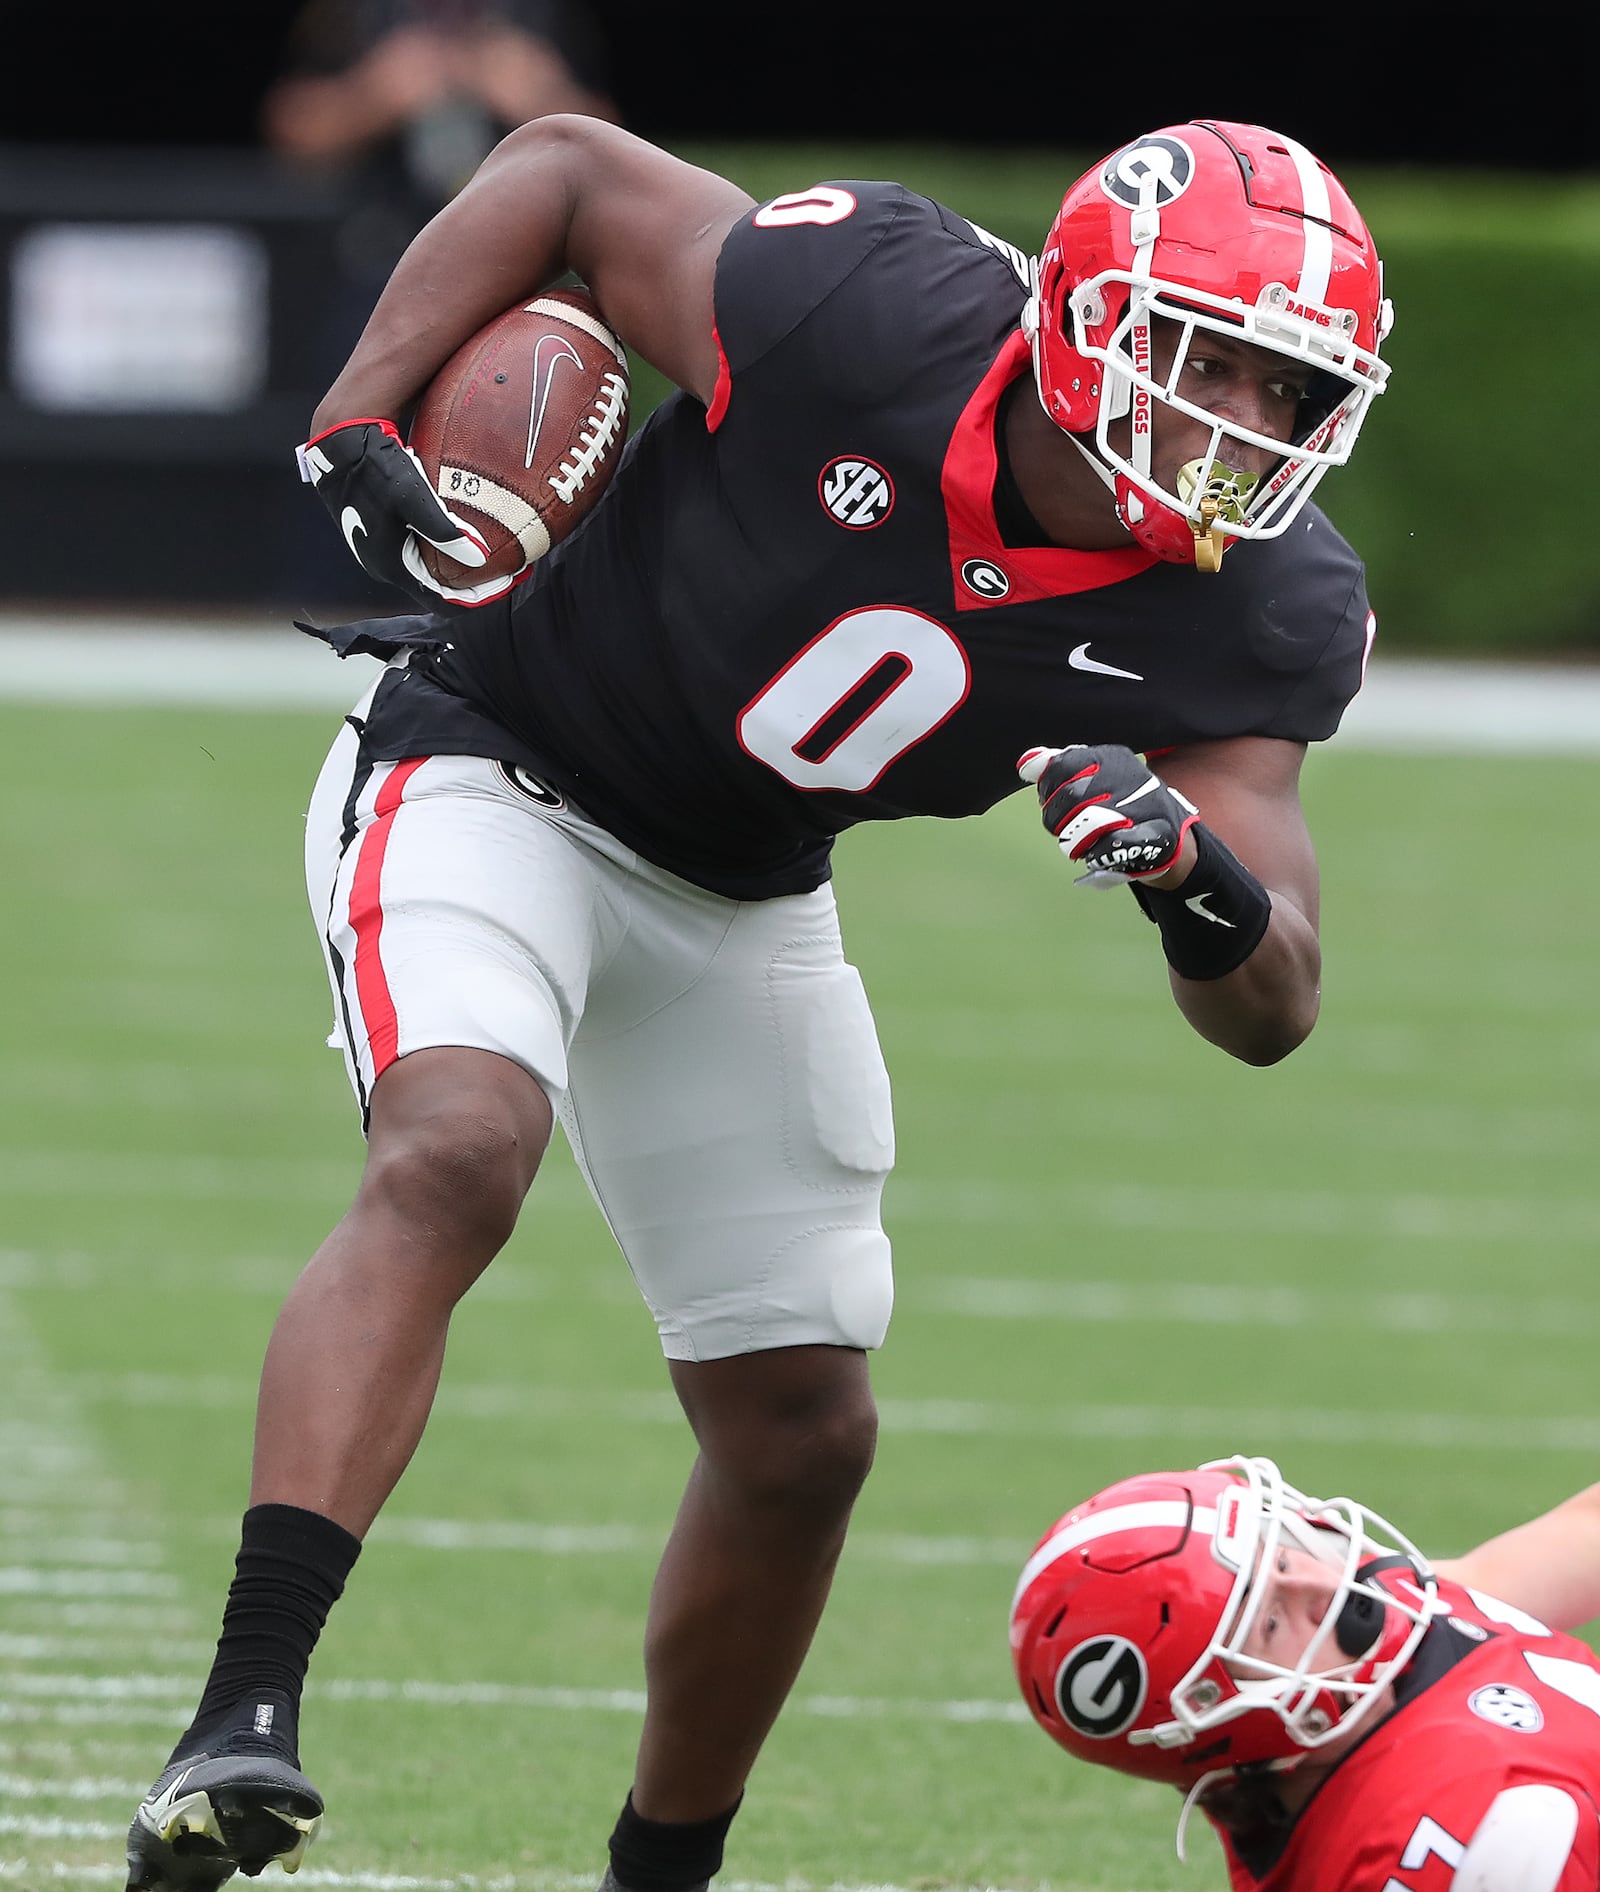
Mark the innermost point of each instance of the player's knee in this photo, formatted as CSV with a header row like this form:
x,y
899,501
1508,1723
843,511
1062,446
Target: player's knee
x,y
460,1171
809,1457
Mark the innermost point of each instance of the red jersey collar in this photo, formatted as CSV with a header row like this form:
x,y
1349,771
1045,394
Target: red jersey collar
x,y
1030,572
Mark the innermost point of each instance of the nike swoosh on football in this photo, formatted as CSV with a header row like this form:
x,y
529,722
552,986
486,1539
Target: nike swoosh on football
x,y
547,352
1081,660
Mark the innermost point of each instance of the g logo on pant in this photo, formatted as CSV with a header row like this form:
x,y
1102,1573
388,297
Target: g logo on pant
x,y
528,784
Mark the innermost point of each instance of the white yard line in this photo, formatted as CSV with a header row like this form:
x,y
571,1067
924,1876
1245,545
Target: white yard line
x,y
262,662
1400,1216
1173,1303
33,1874
56,1689
499,1403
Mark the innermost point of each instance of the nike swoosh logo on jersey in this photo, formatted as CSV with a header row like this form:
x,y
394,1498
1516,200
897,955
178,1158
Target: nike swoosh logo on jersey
x,y
1081,660
547,352
1197,904
350,523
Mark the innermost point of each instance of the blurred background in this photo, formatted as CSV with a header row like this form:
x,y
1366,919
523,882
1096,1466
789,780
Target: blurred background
x,y
1116,1249
199,203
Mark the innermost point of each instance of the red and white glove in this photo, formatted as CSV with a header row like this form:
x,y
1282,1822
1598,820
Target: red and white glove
x,y
375,488
1107,810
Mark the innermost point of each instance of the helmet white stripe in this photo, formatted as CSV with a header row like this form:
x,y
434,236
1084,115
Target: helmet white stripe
x,y
1318,262
1156,1514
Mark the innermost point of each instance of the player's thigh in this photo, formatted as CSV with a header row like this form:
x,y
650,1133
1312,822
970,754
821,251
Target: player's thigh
x,y
452,912
738,1133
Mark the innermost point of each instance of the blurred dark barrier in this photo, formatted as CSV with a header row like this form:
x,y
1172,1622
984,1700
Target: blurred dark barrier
x,y
170,320
166,327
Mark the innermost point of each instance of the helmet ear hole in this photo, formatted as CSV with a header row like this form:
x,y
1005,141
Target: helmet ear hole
x,y
1359,1625
1089,306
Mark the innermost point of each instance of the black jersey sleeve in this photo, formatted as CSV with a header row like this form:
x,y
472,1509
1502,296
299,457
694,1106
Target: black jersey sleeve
x,y
1312,710
784,259
858,292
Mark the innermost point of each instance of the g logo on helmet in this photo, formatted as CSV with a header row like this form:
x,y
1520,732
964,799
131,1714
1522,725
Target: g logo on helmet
x,y
1169,161
1101,1686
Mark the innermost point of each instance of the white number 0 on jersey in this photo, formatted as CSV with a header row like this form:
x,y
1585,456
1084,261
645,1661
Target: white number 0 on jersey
x,y
871,686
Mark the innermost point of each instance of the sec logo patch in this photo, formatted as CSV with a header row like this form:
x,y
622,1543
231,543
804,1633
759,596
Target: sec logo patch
x,y
855,493
1507,1707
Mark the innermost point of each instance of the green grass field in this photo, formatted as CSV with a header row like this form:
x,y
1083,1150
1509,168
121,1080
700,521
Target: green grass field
x,y
1116,1250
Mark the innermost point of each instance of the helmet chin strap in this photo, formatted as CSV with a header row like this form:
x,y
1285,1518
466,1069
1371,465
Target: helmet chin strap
x,y
1108,479
1210,539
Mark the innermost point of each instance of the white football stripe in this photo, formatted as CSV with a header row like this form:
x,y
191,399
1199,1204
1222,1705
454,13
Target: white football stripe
x,y
578,318
495,502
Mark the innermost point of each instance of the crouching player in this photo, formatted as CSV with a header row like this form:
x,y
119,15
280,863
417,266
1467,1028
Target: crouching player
x,y
1346,1715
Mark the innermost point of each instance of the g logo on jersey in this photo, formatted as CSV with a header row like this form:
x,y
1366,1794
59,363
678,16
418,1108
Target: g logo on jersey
x,y
983,577
855,493
1507,1707
1101,1686
1168,160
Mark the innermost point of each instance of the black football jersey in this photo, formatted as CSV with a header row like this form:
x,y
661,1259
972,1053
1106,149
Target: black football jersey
x,y
794,610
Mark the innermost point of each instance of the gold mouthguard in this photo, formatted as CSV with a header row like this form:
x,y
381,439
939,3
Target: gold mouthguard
x,y
1219,495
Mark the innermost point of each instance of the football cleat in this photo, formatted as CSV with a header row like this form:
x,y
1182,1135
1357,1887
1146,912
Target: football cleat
x,y
221,1810
611,1883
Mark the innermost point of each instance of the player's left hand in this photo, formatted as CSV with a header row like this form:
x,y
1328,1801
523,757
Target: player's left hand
x,y
1108,810
375,488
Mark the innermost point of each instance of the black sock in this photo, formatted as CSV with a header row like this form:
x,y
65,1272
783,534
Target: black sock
x,y
290,1572
664,1855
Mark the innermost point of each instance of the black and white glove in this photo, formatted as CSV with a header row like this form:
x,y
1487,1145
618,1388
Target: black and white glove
x,y
1107,810
375,488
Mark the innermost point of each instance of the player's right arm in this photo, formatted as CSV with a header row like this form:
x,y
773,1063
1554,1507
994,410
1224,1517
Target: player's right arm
x,y
643,230
1549,1566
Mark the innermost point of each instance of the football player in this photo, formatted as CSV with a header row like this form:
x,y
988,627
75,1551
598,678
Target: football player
x,y
1348,1717
920,509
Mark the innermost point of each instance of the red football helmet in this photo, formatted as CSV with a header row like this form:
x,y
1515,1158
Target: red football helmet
x,y
1211,226
1131,1617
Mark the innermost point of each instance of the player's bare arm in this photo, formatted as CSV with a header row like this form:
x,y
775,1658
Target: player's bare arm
x,y
1216,848
1549,1566
1248,794
642,228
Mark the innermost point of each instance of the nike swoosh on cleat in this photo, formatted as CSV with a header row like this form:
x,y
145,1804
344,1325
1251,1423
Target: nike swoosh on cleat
x,y
157,1812
1081,660
350,523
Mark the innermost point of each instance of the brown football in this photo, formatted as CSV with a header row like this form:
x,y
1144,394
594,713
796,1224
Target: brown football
x,y
522,428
